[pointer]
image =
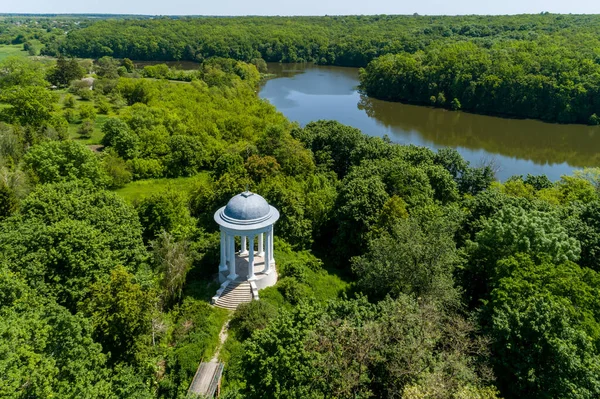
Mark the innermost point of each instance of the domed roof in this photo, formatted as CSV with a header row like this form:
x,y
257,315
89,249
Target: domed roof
x,y
247,206
246,212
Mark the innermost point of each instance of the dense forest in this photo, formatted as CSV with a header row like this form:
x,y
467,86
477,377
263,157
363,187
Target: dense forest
x,y
534,66
404,272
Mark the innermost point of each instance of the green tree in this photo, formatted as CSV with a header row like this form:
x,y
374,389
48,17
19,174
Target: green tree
x,y
119,136
121,314
53,161
359,204
86,129
65,71
252,316
186,156
512,230
128,64
543,322
106,67
28,105
173,261
166,211
87,111
417,255
49,352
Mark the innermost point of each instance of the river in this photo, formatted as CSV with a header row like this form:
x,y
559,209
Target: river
x,y
306,92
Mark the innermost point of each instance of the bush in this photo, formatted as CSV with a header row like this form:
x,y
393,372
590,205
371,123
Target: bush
x,y
293,291
165,211
86,129
70,115
103,107
69,101
117,170
145,168
82,88
252,316
455,104
295,269
87,111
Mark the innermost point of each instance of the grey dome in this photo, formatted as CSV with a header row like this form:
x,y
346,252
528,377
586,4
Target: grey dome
x,y
247,206
246,212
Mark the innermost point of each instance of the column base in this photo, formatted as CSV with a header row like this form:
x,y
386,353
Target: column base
x,y
232,277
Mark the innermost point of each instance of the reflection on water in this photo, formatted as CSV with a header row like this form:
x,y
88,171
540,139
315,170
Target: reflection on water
x,y
305,93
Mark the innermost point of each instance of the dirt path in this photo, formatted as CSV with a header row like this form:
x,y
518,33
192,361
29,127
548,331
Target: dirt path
x,y
222,338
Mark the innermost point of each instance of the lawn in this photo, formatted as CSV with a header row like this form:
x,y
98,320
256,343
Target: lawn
x,y
137,190
10,50
96,135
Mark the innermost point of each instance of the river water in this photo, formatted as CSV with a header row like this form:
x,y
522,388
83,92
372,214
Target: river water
x,y
305,93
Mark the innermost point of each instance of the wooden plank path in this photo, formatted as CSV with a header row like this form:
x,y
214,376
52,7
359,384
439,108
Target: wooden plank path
x,y
207,380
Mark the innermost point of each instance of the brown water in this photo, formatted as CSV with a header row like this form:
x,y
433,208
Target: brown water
x,y
305,93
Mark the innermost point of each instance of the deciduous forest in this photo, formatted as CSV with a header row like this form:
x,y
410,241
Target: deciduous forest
x,y
403,272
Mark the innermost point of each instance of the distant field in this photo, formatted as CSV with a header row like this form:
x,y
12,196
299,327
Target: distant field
x,y
12,50
137,190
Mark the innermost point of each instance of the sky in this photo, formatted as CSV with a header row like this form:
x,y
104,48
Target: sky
x,y
300,7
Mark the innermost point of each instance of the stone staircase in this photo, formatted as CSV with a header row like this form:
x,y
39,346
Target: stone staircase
x,y
234,294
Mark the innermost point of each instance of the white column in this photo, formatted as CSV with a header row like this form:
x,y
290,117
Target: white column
x,y
243,251
267,268
271,249
223,264
232,275
261,246
251,259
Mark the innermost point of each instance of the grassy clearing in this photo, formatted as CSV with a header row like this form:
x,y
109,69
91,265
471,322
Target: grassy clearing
x,y
97,134
12,50
137,190
96,137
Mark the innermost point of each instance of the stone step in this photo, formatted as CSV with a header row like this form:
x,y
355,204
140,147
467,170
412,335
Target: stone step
x,y
234,294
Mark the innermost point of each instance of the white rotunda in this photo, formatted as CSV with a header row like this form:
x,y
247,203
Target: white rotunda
x,y
249,217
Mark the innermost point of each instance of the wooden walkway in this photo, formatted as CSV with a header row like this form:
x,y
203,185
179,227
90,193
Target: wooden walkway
x,y
207,380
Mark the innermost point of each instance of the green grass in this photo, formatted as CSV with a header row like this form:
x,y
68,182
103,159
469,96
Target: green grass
x,y
12,50
137,190
97,134
323,283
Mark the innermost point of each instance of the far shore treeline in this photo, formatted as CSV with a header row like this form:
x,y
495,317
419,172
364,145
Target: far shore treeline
x,y
531,66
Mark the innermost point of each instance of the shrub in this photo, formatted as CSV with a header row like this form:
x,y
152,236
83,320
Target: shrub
x,y
145,168
103,107
86,129
252,316
455,104
70,115
87,111
69,101
295,269
117,170
292,290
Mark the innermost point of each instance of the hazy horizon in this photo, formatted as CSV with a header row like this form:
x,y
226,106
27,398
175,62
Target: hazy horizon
x,y
307,7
